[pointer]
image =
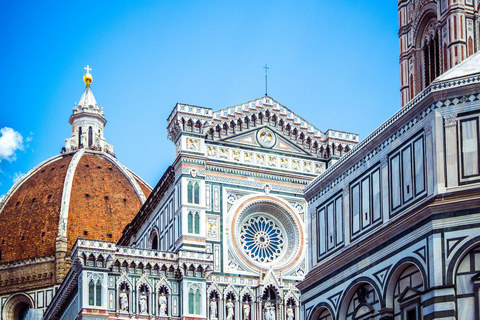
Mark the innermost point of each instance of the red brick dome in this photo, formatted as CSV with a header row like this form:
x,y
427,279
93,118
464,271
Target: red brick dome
x,y
85,194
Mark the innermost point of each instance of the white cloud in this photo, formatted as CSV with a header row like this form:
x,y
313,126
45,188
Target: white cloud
x,y
10,142
17,176
2,196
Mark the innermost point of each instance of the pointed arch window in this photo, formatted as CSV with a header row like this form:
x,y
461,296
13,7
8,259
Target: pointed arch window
x,y
198,303
190,222
95,292
197,223
196,190
191,306
98,293
91,293
190,192
431,59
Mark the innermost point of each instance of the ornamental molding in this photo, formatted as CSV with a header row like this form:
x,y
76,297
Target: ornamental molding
x,y
264,111
265,159
450,120
252,184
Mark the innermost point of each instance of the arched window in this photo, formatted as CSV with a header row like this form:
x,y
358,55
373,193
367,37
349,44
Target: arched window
x,y
90,137
196,190
190,192
191,306
155,242
91,293
98,293
79,136
198,303
197,223
190,222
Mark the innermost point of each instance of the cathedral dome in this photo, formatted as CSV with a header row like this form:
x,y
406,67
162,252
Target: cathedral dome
x,y
79,194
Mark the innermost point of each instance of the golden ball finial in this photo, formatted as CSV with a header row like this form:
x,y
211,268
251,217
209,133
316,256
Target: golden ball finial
x,y
87,77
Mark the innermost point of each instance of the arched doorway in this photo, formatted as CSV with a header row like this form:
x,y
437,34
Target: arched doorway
x,y
17,307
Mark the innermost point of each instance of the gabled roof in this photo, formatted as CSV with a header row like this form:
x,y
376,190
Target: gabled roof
x,y
469,66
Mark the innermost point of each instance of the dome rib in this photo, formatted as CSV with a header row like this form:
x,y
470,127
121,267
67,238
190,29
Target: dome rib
x,y
67,190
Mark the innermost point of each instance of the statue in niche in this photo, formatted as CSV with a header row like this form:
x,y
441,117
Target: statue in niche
x,y
143,303
230,309
123,300
213,310
290,314
362,295
269,310
163,305
246,311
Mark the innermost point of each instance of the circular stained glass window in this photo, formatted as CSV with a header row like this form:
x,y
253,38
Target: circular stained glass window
x,y
261,239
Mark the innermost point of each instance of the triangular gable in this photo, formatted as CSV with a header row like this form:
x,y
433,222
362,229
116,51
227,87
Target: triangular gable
x,y
251,139
230,289
408,293
214,287
163,283
271,280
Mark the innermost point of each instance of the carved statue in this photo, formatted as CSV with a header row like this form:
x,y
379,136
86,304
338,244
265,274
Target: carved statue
x,y
269,310
362,294
213,310
143,302
246,311
163,305
290,313
123,300
230,311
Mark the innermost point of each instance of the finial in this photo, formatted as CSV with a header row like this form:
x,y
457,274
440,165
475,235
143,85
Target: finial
x,y
266,69
87,77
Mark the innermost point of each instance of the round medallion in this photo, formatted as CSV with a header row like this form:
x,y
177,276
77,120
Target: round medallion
x,y
266,233
266,138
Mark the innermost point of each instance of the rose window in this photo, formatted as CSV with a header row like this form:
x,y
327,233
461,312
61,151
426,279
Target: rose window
x,y
261,239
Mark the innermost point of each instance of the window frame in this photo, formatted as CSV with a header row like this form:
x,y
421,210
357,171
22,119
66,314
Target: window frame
x,y
322,226
415,195
373,219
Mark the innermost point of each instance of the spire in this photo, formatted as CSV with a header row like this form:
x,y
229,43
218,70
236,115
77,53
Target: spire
x,y
87,121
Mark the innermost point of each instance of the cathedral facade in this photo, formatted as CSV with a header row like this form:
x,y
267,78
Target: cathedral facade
x,y
435,36
394,225
223,234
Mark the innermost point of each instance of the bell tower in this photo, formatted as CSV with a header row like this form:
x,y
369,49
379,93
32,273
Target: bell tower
x,y
434,36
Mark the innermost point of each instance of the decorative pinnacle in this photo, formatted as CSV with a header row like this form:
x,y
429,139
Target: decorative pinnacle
x,y
87,77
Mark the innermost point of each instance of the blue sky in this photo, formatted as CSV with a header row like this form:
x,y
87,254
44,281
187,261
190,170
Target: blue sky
x,y
335,63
